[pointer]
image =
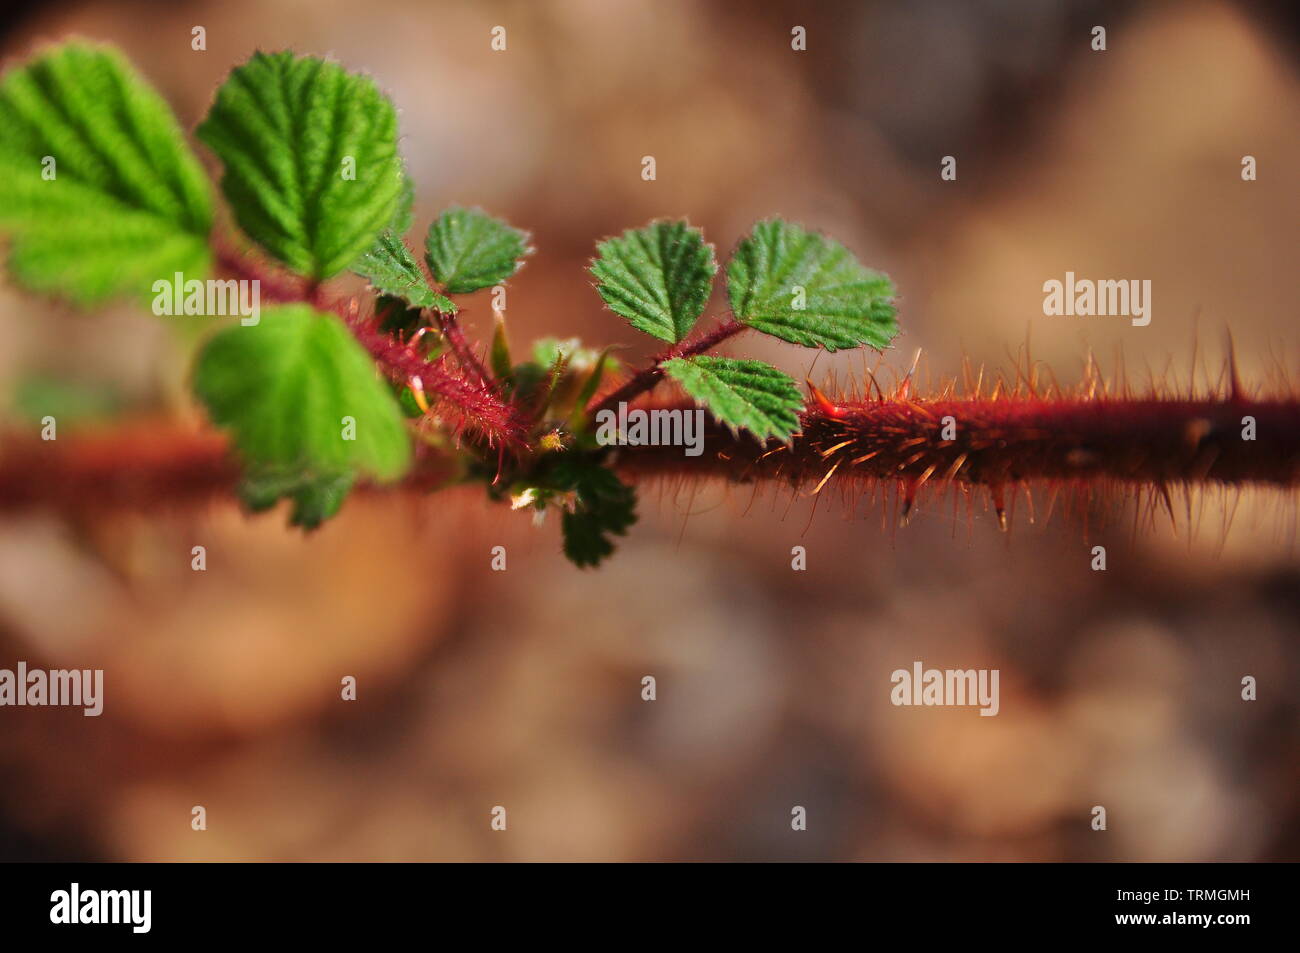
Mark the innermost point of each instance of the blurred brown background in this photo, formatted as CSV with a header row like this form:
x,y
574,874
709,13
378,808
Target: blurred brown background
x,y
522,688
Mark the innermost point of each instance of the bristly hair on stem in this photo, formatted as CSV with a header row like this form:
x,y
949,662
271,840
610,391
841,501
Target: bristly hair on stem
x,y
1008,436
467,399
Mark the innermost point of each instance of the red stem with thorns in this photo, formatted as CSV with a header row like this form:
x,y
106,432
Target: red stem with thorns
x,y
998,442
470,400
995,441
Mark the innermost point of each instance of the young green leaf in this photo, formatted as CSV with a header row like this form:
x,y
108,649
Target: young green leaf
x,y
808,289
583,369
578,415
317,494
393,271
658,277
404,215
310,154
605,506
98,189
502,366
467,249
391,266
305,407
748,394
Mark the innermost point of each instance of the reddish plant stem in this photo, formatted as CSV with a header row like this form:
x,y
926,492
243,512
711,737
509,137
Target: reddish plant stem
x,y
1011,439
646,379
449,325
474,405
473,399
275,285
1152,442
135,466
141,466
450,328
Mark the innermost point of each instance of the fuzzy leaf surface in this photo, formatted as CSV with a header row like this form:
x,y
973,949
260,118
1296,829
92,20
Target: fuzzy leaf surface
x,y
283,388
604,507
311,168
658,277
747,394
467,249
808,289
99,192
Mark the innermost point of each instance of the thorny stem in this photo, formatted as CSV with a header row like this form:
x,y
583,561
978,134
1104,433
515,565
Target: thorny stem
x,y
475,405
645,380
994,441
473,398
142,465
1000,442
451,330
449,325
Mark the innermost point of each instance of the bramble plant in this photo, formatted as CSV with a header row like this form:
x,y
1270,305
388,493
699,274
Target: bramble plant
x,y
102,199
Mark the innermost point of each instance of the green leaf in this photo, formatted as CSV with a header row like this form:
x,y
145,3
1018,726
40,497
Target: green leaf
x,y
578,415
658,277
392,270
128,203
404,215
286,388
316,495
500,353
808,289
604,506
467,250
748,394
285,127
390,265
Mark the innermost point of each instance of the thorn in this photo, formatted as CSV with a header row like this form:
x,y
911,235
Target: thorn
x,y
1169,506
916,359
880,394
829,473
956,467
417,391
917,408
909,497
1234,381
824,403
999,505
